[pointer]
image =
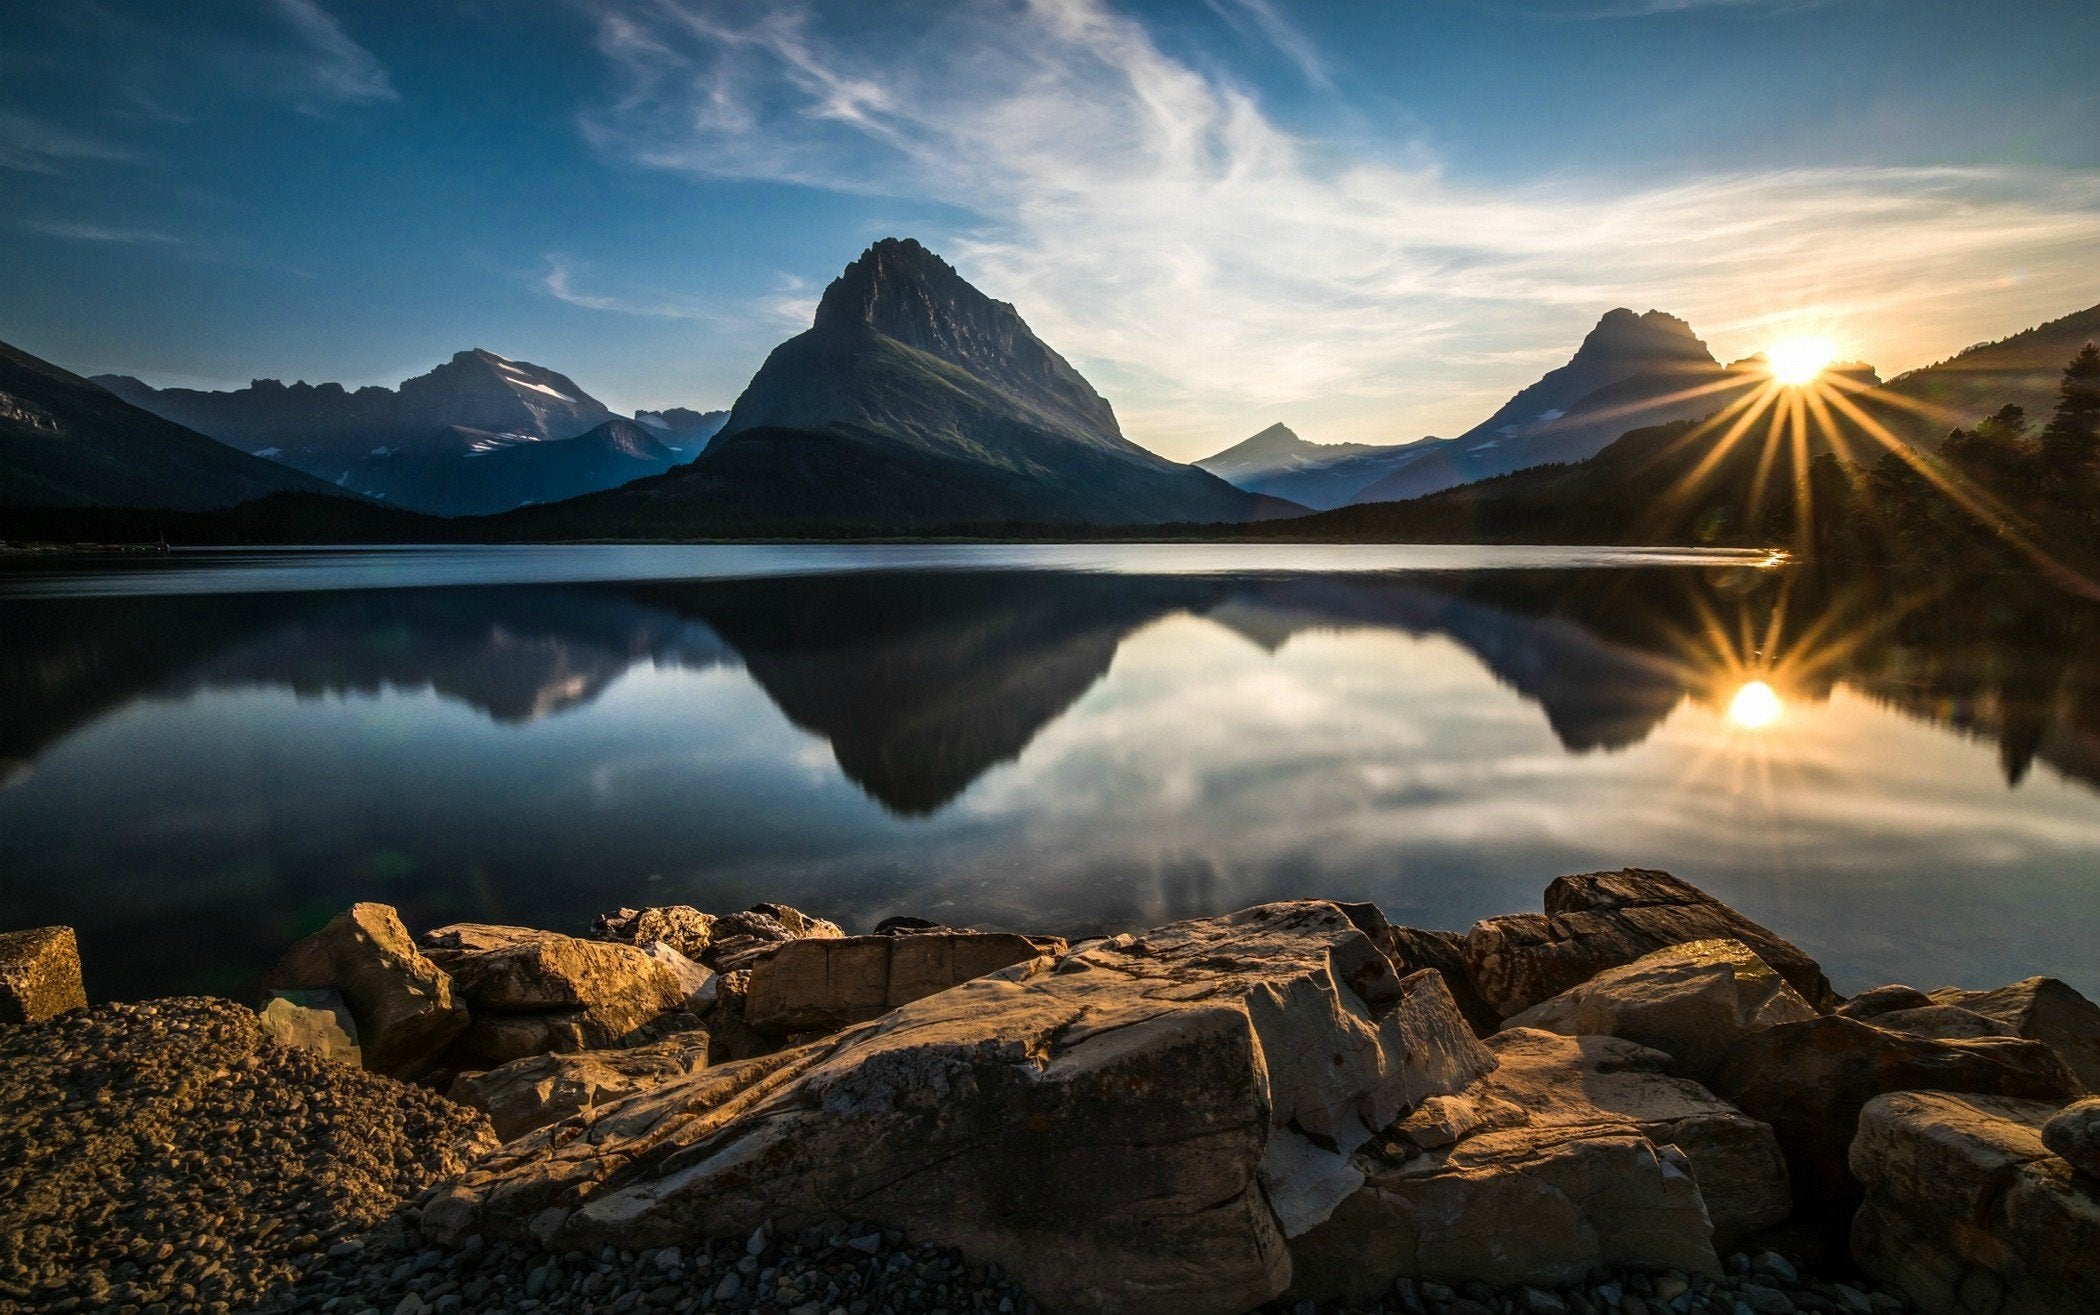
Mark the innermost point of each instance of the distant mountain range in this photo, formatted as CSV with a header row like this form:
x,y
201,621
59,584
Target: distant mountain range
x,y
1279,463
1629,372
1639,371
913,403
914,400
479,434
65,442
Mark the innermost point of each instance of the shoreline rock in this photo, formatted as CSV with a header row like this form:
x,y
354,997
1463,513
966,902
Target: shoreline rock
x,y
1298,1104
39,974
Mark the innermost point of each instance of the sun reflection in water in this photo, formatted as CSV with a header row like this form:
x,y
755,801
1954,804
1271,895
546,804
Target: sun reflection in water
x,y
1755,706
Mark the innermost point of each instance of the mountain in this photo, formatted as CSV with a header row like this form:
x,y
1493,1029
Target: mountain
x,y
1630,371
1674,484
1921,406
64,442
682,429
473,472
479,434
914,399
1279,463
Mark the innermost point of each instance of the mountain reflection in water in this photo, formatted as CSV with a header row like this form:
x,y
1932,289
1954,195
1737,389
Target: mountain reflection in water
x,y
920,684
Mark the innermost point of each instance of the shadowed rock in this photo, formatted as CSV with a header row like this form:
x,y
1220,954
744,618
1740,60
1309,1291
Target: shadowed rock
x,y
1968,1213
1574,1152
1809,1081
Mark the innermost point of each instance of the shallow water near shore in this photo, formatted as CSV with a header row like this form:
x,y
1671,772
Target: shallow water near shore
x,y
206,754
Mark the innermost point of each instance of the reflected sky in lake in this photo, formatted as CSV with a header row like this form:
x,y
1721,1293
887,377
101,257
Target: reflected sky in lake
x,y
199,769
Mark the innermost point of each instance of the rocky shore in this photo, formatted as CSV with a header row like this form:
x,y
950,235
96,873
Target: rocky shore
x,y
1637,1101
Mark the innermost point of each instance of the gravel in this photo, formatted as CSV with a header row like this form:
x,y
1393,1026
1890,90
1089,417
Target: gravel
x,y
167,1156
1765,1284
839,1269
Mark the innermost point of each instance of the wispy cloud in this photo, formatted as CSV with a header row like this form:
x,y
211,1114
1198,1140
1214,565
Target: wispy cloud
x,y
1211,269
338,71
558,280
1262,19
73,231
30,145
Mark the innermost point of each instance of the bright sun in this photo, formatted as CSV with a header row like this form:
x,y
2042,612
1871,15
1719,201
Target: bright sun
x,y
1796,361
1755,706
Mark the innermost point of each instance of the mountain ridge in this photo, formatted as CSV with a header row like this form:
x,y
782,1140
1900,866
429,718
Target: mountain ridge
x,y
65,441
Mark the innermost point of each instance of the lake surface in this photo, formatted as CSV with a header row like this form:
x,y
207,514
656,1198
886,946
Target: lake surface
x,y
202,756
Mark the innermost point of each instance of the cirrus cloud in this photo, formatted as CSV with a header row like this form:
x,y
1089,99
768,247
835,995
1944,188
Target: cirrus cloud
x,y
1213,269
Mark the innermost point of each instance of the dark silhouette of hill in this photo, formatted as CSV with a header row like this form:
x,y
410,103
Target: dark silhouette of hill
x,y
65,442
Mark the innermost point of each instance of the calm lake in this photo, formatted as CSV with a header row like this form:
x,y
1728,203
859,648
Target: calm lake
x,y
202,756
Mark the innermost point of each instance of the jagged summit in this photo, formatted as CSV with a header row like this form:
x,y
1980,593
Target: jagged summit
x,y
914,398
908,295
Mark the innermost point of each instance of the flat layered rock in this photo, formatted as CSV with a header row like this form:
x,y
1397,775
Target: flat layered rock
x,y
1810,1080
1967,1212
1574,1152
2041,1009
1690,1001
402,1003
526,1094
39,974
535,992
825,984
1602,920
1143,1127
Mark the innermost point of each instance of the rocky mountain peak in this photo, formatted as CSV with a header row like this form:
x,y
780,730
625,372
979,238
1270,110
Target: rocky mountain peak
x,y
902,291
1655,335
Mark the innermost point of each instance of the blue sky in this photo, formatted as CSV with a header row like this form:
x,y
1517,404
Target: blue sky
x,y
1373,221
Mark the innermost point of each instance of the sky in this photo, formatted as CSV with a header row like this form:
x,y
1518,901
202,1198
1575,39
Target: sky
x,y
1369,221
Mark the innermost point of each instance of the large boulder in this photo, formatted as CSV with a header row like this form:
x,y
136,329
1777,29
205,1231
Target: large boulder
x,y
825,984
39,974
1603,920
534,992
545,1089
403,1004
2041,1009
1968,1212
1810,1080
1574,1152
1143,1126
1690,1001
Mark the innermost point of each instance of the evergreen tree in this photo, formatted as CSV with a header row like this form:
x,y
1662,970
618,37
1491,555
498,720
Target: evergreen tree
x,y
2072,436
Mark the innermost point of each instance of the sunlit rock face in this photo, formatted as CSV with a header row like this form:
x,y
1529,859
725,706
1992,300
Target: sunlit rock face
x,y
1141,1125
